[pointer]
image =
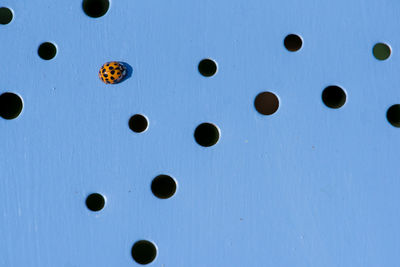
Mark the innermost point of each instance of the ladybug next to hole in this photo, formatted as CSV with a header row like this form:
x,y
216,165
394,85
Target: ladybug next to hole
x,y
112,72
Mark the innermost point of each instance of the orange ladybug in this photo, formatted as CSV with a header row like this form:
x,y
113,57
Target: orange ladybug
x,y
112,72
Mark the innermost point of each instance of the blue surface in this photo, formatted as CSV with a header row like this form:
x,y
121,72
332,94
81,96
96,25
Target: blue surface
x,y
307,186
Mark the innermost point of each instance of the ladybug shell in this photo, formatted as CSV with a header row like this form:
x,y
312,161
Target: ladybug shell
x,y
112,72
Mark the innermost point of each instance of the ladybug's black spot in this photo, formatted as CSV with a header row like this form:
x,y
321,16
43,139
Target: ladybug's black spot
x,y
111,68
107,64
112,78
103,70
112,72
118,73
105,75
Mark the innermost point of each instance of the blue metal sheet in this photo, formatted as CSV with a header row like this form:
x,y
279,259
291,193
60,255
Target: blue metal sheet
x,y
307,186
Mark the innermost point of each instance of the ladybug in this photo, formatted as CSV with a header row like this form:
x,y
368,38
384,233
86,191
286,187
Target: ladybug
x,y
112,72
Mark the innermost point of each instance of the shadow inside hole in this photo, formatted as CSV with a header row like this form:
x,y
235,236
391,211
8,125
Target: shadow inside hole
x,y
144,252
95,202
293,42
381,51
47,51
266,103
163,186
393,115
10,106
207,67
6,15
206,134
95,8
334,97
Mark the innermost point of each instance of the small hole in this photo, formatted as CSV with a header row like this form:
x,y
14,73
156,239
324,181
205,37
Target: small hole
x,y
293,42
138,123
163,186
381,51
266,103
206,134
393,115
10,106
144,252
47,51
6,15
95,202
333,96
95,8
207,67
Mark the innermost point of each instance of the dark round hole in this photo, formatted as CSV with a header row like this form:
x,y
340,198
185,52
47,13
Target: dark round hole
x,y
207,67
138,123
95,8
47,51
293,42
206,134
144,252
10,106
381,51
95,202
333,96
163,186
6,15
393,115
266,103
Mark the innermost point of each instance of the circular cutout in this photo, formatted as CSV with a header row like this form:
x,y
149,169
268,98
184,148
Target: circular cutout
x,y
207,67
47,51
144,252
206,134
293,42
266,103
95,8
381,51
95,202
10,106
393,115
333,96
6,15
138,123
163,186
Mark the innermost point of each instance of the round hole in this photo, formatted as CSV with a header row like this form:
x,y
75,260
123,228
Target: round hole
x,y
163,186
333,96
138,123
6,15
206,134
393,115
144,252
95,202
293,42
381,51
266,103
95,8
207,67
10,106
47,51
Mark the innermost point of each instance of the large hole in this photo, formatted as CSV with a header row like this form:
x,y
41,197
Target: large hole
x,y
393,115
95,202
138,123
6,15
47,51
266,103
163,186
206,134
10,106
333,96
144,252
95,8
293,42
207,67
381,51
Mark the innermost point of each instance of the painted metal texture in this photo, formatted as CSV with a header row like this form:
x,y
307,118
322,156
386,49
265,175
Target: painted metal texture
x,y
307,186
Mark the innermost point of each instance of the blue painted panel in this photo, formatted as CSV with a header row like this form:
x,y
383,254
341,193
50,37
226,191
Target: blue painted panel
x,y
307,186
